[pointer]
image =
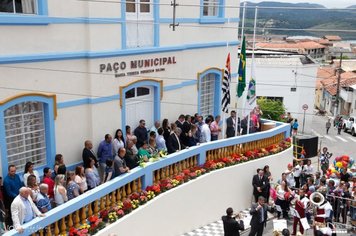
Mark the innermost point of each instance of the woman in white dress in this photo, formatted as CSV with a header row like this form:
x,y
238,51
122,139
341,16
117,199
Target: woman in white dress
x,y
60,192
80,179
29,170
119,141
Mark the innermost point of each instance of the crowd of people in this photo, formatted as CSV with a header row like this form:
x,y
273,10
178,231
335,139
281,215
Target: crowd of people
x,y
300,194
115,155
303,192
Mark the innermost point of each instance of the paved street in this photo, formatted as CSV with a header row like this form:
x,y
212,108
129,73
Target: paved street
x,y
341,144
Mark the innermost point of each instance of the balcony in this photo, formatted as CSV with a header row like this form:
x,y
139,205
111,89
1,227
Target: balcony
x,y
186,206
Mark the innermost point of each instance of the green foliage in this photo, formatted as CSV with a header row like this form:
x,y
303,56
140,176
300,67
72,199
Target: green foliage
x,y
271,109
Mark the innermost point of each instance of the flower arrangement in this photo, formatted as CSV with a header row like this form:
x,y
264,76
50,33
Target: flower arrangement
x,y
96,224
77,232
127,206
113,216
104,215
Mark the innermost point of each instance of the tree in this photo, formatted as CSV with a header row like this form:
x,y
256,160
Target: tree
x,y
272,109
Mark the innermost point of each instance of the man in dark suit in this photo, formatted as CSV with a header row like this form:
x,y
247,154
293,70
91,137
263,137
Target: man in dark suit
x,y
88,153
174,143
259,216
260,183
230,125
231,226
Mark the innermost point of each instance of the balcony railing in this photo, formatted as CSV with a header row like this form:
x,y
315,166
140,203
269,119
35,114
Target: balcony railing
x,y
59,220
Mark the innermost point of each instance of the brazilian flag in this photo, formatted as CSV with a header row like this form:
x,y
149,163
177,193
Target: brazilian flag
x,y
241,83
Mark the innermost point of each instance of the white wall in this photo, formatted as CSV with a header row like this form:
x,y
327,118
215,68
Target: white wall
x,y
198,202
275,79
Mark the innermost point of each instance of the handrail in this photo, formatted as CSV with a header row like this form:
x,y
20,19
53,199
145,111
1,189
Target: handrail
x,y
98,195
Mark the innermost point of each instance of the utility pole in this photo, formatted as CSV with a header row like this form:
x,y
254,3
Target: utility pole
x,y
336,110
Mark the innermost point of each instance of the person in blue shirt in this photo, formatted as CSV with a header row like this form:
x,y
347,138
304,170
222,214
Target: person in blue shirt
x,y
12,185
295,127
105,152
43,202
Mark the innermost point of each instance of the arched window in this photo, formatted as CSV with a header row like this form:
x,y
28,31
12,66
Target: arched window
x,y
27,134
209,92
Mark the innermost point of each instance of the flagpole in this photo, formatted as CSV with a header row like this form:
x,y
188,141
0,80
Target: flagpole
x,y
252,62
223,112
238,60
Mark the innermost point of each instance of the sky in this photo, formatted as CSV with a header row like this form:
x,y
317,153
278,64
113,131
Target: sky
x,y
326,3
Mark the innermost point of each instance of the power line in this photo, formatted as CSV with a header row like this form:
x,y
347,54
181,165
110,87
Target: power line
x,y
224,6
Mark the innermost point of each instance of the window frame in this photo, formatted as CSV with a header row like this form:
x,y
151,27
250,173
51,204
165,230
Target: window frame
x,y
218,19
38,18
49,111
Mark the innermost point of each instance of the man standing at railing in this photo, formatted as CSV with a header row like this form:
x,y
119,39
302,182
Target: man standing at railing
x,y
23,209
230,125
105,151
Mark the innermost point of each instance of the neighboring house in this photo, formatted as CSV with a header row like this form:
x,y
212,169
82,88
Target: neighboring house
x,y
332,38
324,73
287,78
346,98
77,70
311,48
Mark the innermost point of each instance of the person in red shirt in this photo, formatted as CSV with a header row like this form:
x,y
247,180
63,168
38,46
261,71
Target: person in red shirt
x,y
47,174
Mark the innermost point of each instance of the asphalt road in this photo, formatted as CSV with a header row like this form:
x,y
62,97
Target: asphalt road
x,y
343,144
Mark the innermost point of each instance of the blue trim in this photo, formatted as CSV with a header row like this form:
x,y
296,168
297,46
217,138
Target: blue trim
x,y
42,7
217,89
123,25
156,23
181,85
156,99
106,54
48,107
85,101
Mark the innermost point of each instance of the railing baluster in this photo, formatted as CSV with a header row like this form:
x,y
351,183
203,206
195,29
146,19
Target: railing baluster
x,y
158,176
70,221
134,186
96,207
34,234
83,215
113,198
56,228
175,169
118,195
102,204
167,171
171,171
49,230
123,192
107,201
139,184
63,226
90,210
128,192
163,173
76,219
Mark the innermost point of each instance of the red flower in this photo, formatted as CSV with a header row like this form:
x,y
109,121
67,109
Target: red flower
x,y
186,171
92,219
179,178
134,196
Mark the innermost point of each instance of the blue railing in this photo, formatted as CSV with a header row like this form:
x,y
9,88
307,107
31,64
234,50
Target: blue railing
x,y
75,211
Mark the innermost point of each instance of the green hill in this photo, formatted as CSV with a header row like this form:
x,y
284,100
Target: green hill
x,y
282,17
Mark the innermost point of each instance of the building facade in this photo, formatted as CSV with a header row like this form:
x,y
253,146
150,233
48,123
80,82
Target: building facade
x,y
73,71
290,79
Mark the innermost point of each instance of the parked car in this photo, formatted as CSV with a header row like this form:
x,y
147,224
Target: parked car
x,y
349,125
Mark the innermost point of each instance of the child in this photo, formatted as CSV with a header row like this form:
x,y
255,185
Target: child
x,y
109,170
295,127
